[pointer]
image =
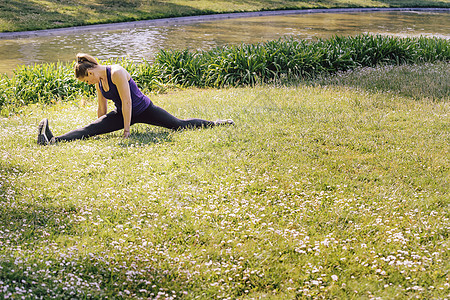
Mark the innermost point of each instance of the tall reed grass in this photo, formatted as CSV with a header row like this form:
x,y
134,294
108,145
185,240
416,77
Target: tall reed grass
x,y
284,60
294,59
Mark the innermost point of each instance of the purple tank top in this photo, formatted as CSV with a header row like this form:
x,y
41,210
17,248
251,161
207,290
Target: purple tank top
x,y
139,102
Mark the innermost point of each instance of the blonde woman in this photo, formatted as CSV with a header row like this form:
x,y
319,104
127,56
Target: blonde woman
x,y
132,106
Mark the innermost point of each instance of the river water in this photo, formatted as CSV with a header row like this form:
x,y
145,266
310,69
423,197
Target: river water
x,y
144,42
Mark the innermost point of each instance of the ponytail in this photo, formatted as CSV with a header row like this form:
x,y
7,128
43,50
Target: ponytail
x,y
84,63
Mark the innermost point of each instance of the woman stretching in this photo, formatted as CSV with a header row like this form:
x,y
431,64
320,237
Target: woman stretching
x,y
132,106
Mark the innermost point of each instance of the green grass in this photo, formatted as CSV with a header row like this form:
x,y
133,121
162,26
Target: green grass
x,y
337,188
405,80
23,15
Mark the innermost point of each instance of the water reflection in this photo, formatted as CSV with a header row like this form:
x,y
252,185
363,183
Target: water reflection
x,y
145,42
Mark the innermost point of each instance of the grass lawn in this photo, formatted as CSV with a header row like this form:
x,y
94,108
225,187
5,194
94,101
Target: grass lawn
x,y
21,15
337,188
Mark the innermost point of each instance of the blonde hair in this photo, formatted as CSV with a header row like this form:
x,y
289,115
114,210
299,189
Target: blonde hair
x,y
84,63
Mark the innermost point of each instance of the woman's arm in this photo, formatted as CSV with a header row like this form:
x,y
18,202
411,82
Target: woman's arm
x,y
102,102
120,77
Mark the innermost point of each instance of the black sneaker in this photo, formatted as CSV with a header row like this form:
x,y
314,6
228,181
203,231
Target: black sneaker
x,y
44,134
224,122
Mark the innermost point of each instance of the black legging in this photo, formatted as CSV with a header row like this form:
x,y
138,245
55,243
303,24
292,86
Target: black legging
x,y
113,121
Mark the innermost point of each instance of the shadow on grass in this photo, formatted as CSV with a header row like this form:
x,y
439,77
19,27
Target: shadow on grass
x,y
415,3
29,216
36,256
148,137
29,15
34,15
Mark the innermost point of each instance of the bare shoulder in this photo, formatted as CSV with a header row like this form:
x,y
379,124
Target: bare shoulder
x,y
118,73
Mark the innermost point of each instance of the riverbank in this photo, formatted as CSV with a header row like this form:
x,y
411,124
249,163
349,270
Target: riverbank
x,y
202,18
41,15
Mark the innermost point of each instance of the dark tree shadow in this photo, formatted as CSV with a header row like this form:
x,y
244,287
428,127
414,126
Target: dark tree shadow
x,y
121,3
19,12
421,3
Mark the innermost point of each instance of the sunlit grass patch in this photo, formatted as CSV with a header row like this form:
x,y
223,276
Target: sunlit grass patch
x,y
415,81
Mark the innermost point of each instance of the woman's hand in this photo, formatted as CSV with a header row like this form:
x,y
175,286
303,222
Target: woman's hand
x,y
126,133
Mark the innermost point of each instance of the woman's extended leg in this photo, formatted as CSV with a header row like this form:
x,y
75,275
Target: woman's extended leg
x,y
113,121
157,116
108,123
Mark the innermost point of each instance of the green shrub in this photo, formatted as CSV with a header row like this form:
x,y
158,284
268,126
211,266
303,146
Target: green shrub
x,y
180,67
42,83
265,62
